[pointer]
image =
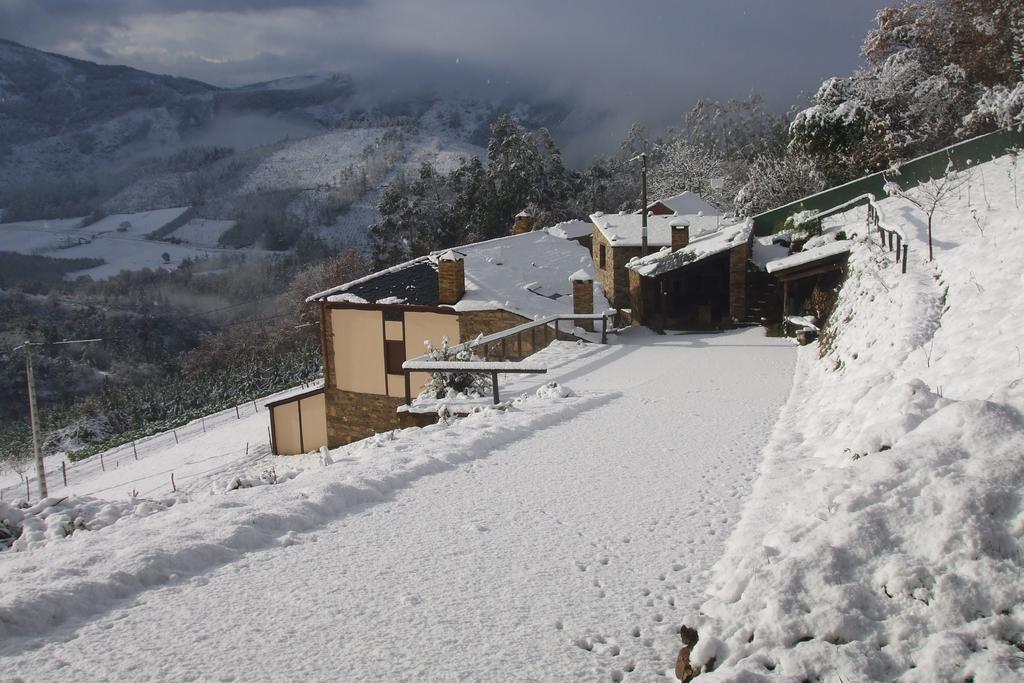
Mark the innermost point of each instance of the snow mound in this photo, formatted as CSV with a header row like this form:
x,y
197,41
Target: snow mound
x,y
883,538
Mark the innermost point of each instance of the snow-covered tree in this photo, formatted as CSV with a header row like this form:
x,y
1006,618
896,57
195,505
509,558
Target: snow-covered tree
x,y
928,63
774,181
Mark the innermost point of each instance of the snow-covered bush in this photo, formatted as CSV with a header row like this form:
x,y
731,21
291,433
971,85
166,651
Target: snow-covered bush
x,y
448,384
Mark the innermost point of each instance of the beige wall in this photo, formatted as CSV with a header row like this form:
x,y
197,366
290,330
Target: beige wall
x,y
358,360
299,425
286,428
314,423
419,327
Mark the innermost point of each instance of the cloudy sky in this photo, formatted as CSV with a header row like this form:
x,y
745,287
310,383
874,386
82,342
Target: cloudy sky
x,y
638,59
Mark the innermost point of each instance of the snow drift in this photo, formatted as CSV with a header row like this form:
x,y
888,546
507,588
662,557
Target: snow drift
x,y
883,538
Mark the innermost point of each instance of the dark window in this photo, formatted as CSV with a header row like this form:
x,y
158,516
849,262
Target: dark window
x,y
600,255
394,356
393,314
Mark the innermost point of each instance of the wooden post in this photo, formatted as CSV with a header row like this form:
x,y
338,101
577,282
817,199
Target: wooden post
x,y
504,353
270,437
604,329
28,491
135,450
175,436
890,240
881,237
408,389
899,247
904,258
237,416
247,448
494,386
64,471
556,328
533,339
255,407
203,420
174,487
102,466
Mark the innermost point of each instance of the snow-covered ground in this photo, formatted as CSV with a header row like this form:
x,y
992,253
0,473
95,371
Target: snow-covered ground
x,y
561,537
883,538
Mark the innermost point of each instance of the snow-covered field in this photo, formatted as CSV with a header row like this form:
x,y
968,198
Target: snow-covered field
x,y
561,537
119,240
883,538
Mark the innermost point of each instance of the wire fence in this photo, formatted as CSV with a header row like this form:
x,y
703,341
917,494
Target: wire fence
x,y
65,474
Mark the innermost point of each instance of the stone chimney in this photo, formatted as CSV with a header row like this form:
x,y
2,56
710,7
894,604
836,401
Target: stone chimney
x,y
451,277
680,233
583,296
523,222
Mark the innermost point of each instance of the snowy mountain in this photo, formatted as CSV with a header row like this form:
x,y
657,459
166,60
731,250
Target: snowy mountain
x,y
77,137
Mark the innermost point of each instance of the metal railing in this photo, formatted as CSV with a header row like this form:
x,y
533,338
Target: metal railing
x,y
425,363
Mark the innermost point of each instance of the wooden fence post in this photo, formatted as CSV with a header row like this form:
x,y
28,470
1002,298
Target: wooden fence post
x,y
102,466
175,435
64,472
904,257
203,420
174,488
494,386
237,416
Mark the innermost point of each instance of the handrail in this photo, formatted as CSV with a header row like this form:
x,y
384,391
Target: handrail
x,y
886,232
425,363
524,327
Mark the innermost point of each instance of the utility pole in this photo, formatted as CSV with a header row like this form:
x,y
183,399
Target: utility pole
x,y
643,201
33,411
33,415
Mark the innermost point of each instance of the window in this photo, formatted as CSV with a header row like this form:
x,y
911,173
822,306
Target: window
x,y
394,356
393,314
600,256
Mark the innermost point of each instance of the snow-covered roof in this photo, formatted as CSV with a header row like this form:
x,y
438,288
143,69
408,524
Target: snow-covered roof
x,y
766,248
698,249
810,256
689,203
526,274
624,229
571,230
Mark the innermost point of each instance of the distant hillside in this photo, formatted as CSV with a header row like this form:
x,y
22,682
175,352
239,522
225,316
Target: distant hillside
x,y
306,154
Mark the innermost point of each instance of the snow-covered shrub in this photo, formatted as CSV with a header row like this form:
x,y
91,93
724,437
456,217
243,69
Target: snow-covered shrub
x,y
447,384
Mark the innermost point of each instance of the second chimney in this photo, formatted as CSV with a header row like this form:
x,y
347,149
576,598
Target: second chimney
x,y
451,277
680,234
523,222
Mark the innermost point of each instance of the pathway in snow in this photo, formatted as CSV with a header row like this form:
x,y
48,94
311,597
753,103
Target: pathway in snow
x,y
571,553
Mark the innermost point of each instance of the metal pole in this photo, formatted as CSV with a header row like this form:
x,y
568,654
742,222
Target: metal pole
x,y
643,201
34,417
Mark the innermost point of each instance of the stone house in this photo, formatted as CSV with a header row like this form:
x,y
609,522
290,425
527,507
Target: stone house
x,y
617,239
697,283
372,325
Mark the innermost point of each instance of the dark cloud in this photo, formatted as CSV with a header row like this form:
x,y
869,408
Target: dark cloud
x,y
643,60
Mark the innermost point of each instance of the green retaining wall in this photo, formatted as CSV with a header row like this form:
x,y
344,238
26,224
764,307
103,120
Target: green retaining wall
x,y
979,149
